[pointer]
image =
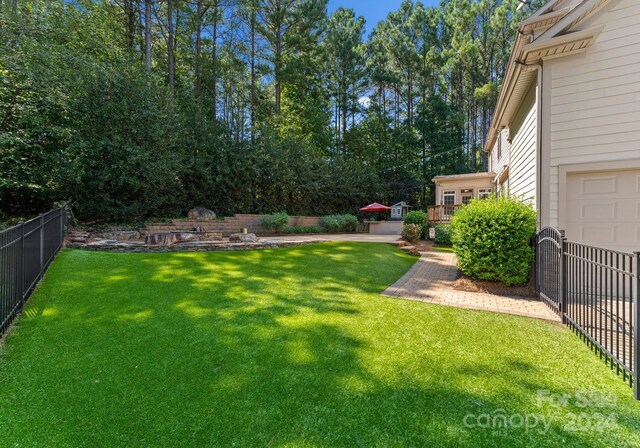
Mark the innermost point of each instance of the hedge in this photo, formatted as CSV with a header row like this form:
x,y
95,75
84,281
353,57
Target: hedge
x,y
420,218
275,222
492,239
302,229
340,223
443,234
411,232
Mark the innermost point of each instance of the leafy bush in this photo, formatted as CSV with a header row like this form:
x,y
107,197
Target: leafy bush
x,y
275,222
420,218
330,223
443,234
348,223
340,223
411,232
492,239
415,217
302,229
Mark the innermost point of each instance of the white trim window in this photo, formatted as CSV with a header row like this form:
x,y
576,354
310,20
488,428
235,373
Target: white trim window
x,y
449,197
484,193
449,201
466,195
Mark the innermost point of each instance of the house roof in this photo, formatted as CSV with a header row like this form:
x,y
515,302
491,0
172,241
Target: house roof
x,y
401,204
482,175
551,32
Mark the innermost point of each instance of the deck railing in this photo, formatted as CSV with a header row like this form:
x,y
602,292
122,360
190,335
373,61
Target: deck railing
x,y
437,214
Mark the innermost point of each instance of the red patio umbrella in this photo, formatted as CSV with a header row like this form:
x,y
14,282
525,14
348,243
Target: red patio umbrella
x,y
375,207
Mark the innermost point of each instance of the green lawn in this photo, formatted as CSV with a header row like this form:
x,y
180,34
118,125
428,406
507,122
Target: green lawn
x,y
288,348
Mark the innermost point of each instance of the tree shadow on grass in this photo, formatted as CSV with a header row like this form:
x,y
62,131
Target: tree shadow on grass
x,y
269,348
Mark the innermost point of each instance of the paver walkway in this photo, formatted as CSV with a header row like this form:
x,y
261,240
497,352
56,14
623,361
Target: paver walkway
x,y
431,280
352,237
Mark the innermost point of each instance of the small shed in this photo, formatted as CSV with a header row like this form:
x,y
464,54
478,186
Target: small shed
x,y
399,210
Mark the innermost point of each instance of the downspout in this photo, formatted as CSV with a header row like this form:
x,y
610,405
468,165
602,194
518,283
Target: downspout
x,y
539,167
538,69
530,37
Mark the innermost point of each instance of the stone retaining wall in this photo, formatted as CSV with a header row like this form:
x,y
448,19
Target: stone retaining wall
x,y
227,225
188,247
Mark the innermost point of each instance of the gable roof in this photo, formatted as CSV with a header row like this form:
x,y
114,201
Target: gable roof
x,y
551,32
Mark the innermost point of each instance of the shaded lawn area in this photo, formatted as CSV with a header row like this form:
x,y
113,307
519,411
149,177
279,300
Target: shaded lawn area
x,y
288,348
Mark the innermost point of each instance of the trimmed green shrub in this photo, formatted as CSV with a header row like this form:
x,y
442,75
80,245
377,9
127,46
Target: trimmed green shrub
x,y
411,232
348,223
330,223
492,239
443,234
275,222
420,218
302,229
340,223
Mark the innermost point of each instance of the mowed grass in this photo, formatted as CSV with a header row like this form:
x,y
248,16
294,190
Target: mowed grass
x,y
289,348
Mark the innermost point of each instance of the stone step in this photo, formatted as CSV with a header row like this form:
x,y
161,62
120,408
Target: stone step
x,y
78,234
72,239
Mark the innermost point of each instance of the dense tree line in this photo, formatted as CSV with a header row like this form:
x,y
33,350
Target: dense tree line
x,y
136,108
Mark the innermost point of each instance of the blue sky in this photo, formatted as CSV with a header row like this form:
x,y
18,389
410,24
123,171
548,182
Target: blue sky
x,y
373,10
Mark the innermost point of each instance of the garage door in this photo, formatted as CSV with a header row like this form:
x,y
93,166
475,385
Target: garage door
x,y
603,209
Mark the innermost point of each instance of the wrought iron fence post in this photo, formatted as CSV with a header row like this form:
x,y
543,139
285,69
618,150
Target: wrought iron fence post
x,y
636,329
536,267
61,228
21,267
41,245
564,273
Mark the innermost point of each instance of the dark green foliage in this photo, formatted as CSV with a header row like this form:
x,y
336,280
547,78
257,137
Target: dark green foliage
x,y
411,232
303,229
348,223
331,223
275,222
340,223
417,217
492,239
443,234
441,127
312,118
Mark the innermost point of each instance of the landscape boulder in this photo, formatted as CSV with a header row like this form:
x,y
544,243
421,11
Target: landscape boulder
x,y
167,239
243,238
201,213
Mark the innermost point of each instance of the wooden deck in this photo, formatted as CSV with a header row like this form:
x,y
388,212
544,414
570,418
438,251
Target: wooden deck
x,y
439,214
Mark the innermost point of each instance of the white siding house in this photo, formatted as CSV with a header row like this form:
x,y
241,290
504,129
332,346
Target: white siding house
x,y
570,106
522,163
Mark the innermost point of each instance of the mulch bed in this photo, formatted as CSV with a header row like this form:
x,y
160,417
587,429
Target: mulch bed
x,y
423,245
464,283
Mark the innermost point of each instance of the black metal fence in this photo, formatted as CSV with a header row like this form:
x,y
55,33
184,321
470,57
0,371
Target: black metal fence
x,y
26,250
595,292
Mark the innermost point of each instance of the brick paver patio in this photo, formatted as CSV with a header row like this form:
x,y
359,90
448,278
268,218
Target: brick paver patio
x,y
431,280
